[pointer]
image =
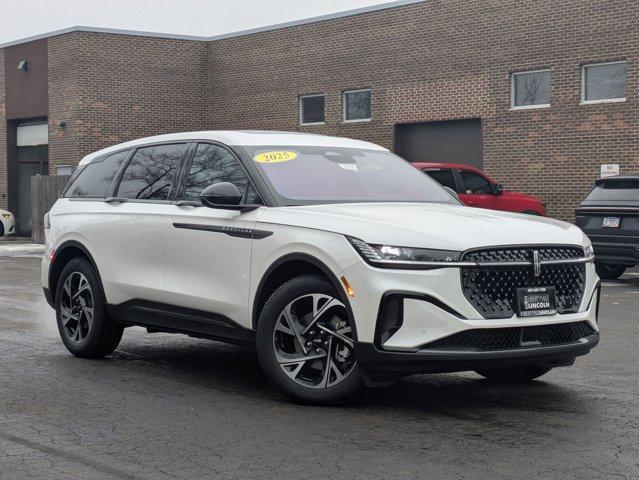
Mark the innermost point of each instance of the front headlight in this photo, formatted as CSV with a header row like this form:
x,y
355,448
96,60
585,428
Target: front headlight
x,y
8,216
589,251
405,257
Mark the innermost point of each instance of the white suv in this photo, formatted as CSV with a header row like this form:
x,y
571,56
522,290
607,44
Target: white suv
x,y
342,263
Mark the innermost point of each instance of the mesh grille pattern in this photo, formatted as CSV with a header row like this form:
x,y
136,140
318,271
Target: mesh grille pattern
x,y
492,290
523,254
513,338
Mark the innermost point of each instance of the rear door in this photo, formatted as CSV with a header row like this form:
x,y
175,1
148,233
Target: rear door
x,y
208,250
126,231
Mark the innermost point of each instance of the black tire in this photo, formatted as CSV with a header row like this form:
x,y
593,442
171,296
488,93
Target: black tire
x,y
609,271
525,373
284,296
102,335
1,229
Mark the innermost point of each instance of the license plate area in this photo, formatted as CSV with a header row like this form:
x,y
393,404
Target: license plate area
x,y
536,301
611,222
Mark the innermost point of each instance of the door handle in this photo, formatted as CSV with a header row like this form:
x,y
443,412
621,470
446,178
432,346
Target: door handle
x,y
115,200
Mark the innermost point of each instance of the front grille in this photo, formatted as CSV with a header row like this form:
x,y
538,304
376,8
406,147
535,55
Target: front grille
x,y
492,289
523,254
514,337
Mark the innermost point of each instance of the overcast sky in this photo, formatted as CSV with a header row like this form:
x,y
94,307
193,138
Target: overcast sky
x,y
24,18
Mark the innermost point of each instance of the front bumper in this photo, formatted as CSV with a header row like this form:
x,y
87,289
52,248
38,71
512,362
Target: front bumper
x,y
434,309
435,306
48,297
9,226
384,364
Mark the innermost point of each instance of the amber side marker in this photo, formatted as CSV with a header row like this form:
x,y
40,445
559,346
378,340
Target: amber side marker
x,y
347,286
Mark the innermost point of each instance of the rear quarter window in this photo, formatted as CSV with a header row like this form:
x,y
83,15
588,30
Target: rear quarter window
x,y
93,179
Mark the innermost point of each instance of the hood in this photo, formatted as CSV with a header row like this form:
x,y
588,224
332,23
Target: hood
x,y
446,227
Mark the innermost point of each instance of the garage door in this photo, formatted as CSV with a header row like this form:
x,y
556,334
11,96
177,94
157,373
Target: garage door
x,y
457,141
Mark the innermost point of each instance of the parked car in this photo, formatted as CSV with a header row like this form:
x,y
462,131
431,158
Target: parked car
x,y
476,189
610,217
343,264
7,222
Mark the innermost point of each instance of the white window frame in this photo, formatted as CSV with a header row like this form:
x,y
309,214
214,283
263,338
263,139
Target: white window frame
x,y
603,100
300,107
357,120
512,91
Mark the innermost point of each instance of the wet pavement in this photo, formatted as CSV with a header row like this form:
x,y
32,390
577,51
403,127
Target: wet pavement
x,y
171,407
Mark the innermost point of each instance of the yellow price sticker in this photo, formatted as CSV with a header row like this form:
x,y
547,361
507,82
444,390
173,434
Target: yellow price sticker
x,y
275,157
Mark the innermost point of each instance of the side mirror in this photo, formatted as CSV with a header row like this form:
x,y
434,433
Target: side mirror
x,y
452,192
220,195
498,188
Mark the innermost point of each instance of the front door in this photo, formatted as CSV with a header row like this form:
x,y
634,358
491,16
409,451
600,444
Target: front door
x,y
208,250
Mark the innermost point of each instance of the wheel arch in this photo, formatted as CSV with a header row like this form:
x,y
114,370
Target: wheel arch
x,y
64,253
287,267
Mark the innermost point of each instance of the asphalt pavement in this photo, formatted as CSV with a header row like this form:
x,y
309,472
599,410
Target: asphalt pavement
x,y
172,407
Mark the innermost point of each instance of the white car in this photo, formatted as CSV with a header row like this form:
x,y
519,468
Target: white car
x,y
344,264
7,223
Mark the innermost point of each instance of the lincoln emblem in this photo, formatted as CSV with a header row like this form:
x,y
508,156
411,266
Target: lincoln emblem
x,y
536,263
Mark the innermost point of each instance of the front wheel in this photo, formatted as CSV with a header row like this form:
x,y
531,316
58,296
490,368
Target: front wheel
x,y
521,374
609,271
305,342
85,328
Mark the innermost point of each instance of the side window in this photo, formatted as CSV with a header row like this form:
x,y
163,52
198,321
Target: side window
x,y
150,173
443,177
93,180
212,164
476,184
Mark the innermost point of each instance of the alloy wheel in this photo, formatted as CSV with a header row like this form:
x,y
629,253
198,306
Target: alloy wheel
x,y
313,341
76,307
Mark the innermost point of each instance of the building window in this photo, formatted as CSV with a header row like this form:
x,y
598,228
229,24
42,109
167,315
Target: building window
x,y
312,109
603,82
530,89
356,105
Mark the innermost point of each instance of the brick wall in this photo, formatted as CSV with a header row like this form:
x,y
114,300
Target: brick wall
x,y
432,61
442,60
3,139
111,88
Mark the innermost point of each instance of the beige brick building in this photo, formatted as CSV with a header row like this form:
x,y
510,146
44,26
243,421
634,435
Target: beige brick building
x,y
441,76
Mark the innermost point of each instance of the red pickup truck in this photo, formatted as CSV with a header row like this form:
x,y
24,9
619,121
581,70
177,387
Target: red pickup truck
x,y
476,189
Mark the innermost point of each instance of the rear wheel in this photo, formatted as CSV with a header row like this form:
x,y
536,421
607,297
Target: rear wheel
x,y
85,328
521,374
305,342
609,271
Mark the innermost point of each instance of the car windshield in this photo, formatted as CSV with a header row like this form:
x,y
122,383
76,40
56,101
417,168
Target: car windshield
x,y
305,175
